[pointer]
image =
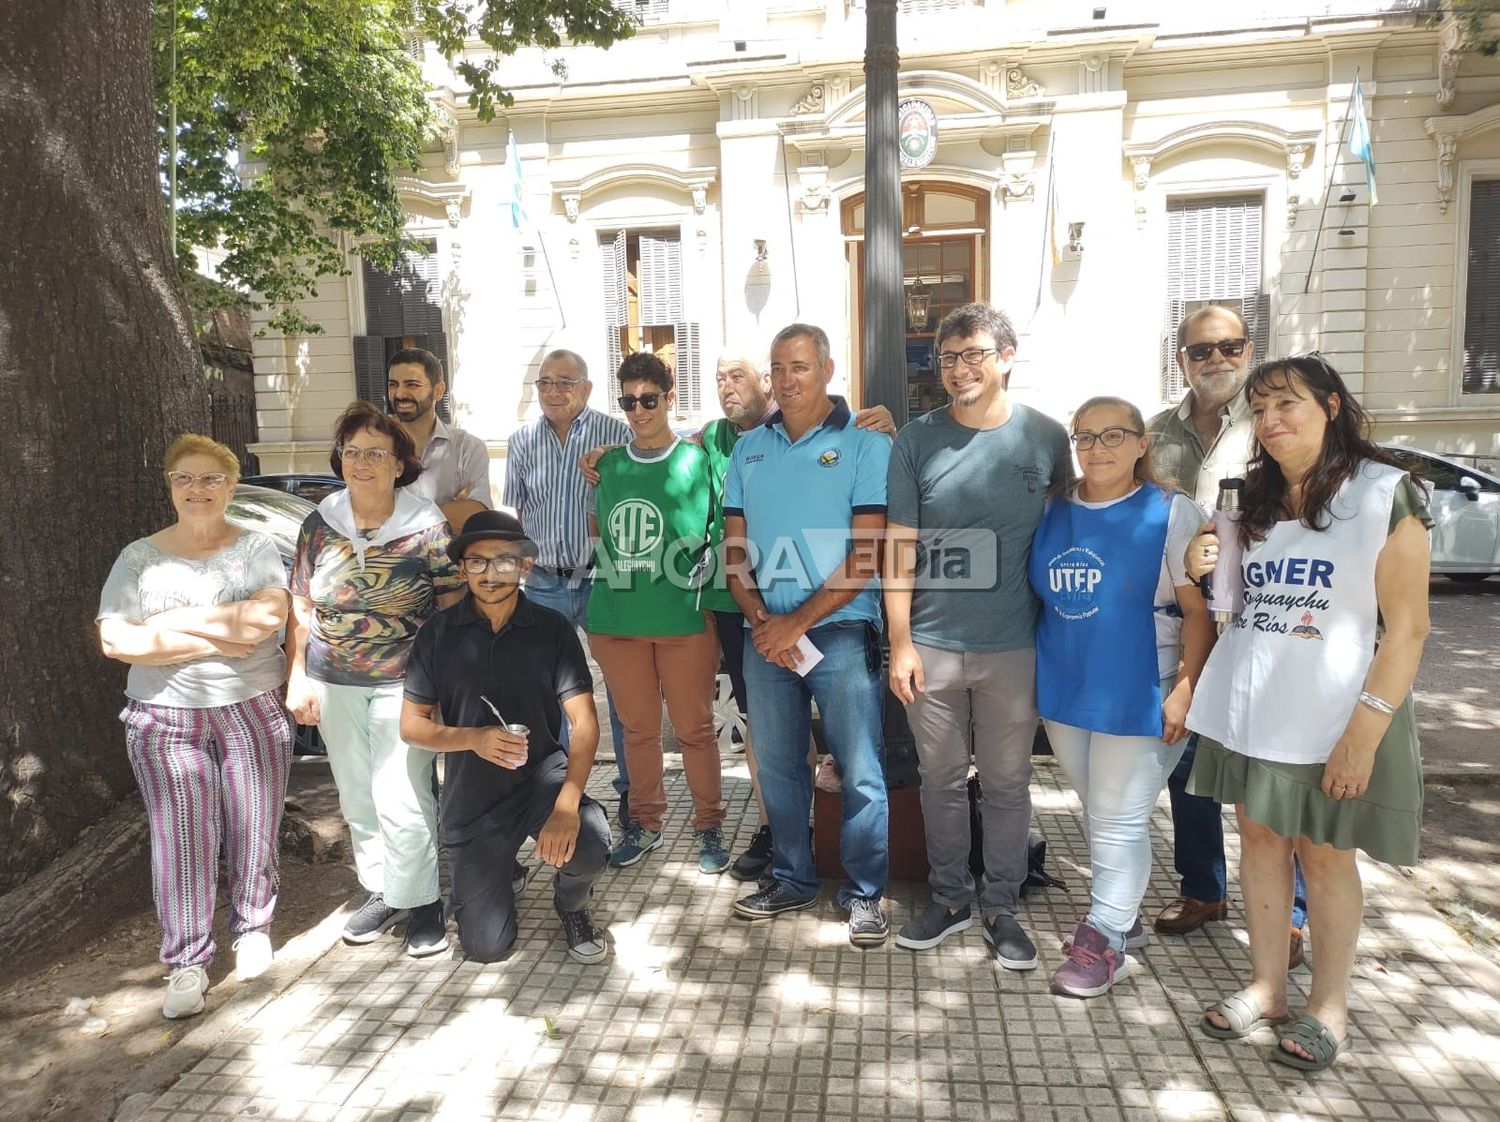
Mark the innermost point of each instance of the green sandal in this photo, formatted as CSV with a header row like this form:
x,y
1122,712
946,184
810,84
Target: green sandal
x,y
1244,1016
1312,1034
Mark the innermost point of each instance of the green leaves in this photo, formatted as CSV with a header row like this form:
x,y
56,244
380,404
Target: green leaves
x,y
294,118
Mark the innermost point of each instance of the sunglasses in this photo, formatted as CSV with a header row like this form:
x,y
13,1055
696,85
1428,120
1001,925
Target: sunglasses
x,y
1229,348
628,401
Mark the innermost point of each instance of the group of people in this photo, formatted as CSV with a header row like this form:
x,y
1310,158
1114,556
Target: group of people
x,y
780,542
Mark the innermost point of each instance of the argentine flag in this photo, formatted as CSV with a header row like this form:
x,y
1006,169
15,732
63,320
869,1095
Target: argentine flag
x,y
518,215
1359,141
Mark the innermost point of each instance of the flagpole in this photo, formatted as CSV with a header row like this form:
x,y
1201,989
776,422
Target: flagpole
x,y
547,260
1047,222
1333,167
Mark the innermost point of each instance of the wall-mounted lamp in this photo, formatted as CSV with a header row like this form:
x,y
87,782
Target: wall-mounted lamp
x,y
918,305
1075,237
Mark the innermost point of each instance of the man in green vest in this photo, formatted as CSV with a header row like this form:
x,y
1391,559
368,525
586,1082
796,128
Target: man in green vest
x,y
647,626
744,385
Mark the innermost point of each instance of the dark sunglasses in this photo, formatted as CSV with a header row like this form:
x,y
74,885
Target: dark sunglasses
x,y
628,401
1229,348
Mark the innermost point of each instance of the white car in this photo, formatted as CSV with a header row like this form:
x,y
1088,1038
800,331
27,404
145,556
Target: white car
x,y
1465,504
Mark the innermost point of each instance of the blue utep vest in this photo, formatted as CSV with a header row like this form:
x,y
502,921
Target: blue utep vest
x,y
1096,573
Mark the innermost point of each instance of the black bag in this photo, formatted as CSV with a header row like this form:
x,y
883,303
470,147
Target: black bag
x,y
1036,848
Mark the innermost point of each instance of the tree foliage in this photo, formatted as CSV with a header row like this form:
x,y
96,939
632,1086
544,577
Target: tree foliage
x,y
295,118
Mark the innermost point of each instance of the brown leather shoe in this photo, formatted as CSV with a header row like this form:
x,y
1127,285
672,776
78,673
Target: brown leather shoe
x,y
1294,956
1185,914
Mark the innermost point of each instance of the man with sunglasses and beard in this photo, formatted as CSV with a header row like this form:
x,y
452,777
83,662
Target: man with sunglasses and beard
x,y
490,682
646,622
1206,438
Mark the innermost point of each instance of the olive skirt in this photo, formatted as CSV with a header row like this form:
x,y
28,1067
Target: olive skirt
x,y
1385,822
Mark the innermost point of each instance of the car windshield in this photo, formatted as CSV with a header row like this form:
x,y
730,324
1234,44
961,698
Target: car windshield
x,y
271,512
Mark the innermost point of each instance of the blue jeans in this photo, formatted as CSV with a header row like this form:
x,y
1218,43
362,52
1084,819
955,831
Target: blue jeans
x,y
571,598
1198,842
850,697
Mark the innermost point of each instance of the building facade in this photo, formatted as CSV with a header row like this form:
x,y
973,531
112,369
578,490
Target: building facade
x,y
1099,172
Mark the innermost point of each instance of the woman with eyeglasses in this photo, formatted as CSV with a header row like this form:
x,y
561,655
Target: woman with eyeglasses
x,y
1304,711
194,610
371,566
1121,639
646,623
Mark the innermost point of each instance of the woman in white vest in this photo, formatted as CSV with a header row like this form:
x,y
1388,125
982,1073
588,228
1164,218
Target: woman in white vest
x,y
1304,708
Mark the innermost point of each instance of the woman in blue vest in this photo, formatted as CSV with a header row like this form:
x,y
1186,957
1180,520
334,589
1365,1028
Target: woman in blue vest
x,y
1122,636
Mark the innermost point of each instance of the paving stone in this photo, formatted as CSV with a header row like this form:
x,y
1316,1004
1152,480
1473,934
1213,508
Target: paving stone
x,y
703,1016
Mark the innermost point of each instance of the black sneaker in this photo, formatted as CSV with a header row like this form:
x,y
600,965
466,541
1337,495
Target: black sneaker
x,y
426,933
756,859
771,901
518,875
927,930
372,920
868,926
1013,948
586,943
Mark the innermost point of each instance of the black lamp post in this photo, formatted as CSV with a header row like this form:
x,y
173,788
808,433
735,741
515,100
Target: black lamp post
x,y
884,312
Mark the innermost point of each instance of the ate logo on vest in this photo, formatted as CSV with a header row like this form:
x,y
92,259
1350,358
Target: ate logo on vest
x,y
636,527
1074,575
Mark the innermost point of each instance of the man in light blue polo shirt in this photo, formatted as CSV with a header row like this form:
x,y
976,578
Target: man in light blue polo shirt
x,y
804,507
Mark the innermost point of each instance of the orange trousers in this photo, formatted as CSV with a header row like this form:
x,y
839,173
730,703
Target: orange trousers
x,y
683,669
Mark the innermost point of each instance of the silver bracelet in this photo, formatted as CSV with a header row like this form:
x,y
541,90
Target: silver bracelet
x,y
1379,704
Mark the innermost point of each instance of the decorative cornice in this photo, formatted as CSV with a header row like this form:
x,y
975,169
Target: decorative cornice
x,y
1447,133
1293,145
692,182
450,196
1255,133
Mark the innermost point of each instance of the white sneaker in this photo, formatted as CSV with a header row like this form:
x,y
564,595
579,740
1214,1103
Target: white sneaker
x,y
252,955
185,990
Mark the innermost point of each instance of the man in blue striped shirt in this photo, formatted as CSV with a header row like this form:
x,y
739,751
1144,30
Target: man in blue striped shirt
x,y
545,487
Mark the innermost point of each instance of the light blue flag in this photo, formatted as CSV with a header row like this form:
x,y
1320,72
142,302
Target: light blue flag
x,y
518,215
1359,142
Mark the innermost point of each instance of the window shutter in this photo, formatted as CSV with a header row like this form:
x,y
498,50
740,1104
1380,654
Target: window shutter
x,y
616,308
382,302
661,279
689,369
1482,294
421,306
1213,257
369,368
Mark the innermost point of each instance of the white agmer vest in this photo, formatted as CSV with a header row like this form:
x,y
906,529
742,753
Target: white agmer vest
x,y
1284,679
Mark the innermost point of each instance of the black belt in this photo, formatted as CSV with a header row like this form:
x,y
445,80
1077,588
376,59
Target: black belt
x,y
564,574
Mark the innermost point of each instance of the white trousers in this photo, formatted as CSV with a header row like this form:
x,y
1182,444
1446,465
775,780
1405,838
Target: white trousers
x,y
385,791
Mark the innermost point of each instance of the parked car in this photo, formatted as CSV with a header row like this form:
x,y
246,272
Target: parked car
x,y
313,488
279,516
1465,505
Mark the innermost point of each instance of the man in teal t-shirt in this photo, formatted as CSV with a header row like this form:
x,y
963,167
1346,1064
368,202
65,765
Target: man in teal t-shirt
x,y
647,627
965,493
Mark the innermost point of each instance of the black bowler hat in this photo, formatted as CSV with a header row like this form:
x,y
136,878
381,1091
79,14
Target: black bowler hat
x,y
487,525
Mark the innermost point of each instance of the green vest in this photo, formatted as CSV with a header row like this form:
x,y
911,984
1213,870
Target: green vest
x,y
718,441
653,532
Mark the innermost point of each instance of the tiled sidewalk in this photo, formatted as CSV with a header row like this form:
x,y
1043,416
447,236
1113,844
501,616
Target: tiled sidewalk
x,y
700,1016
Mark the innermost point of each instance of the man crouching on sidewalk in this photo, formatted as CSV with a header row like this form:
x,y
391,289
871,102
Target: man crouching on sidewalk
x,y
503,672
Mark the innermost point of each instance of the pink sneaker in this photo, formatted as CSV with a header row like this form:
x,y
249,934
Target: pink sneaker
x,y
1092,965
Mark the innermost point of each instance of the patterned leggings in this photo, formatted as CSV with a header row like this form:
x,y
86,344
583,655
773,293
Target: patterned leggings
x,y
211,777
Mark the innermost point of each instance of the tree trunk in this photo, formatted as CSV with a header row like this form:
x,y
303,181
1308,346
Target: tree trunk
x,y
98,372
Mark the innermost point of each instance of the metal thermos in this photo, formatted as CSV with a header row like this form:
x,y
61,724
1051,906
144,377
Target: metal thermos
x,y
1224,588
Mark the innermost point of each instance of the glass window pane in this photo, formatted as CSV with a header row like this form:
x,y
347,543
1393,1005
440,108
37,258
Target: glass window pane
x,y
943,209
